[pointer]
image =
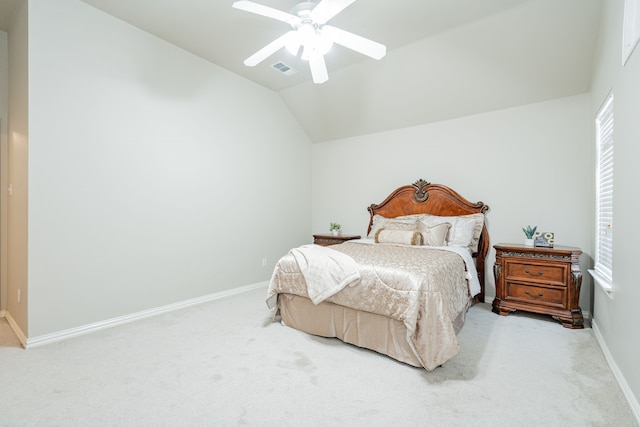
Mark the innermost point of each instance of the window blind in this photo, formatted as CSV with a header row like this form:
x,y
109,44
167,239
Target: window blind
x,y
604,215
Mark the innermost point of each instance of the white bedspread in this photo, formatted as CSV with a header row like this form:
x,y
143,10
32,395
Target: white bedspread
x,y
326,271
472,273
424,288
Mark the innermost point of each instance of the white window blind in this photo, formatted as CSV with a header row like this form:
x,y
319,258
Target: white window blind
x,y
604,215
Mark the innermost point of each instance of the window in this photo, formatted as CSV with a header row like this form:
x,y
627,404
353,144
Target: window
x,y
604,195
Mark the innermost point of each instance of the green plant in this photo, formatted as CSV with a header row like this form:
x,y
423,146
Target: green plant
x,y
334,226
529,231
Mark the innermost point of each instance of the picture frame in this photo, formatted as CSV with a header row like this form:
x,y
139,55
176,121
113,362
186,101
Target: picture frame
x,y
543,239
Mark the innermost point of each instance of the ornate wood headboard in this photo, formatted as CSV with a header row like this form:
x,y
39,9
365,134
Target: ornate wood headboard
x,y
423,197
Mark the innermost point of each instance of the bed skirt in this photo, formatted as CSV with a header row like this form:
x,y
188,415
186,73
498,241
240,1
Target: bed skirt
x,y
363,329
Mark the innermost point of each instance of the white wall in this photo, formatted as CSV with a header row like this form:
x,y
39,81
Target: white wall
x,y
617,319
531,165
154,176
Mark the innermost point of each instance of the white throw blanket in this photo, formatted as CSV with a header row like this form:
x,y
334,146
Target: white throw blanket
x,y
326,271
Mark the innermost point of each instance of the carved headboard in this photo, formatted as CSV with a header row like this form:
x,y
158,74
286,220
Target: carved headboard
x,y
423,197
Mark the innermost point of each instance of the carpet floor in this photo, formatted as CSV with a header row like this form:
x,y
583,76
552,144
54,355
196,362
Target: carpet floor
x,y
226,363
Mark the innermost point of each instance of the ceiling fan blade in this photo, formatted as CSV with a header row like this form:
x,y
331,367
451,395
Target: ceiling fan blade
x,y
267,11
365,46
327,9
318,68
269,49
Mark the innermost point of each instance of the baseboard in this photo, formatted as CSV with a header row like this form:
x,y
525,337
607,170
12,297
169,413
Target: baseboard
x,y
626,390
94,327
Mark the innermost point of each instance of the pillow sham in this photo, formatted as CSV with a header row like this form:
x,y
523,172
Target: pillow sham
x,y
404,237
477,229
465,229
399,223
435,235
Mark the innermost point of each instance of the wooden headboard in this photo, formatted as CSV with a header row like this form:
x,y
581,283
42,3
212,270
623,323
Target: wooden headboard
x,y
423,197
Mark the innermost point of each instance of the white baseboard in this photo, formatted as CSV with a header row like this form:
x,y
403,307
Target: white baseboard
x,y
94,327
626,390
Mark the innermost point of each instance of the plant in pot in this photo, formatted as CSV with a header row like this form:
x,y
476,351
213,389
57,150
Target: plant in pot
x,y
529,232
335,228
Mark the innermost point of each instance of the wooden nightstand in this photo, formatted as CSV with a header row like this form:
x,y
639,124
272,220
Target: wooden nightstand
x,y
330,239
539,280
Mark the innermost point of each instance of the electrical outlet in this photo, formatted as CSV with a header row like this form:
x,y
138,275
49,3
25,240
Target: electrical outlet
x,y
264,262
18,295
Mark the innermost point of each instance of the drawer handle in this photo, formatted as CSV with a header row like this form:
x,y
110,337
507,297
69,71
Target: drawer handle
x,y
534,296
533,274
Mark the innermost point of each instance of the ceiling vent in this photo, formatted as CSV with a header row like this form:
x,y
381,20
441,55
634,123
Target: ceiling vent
x,y
284,68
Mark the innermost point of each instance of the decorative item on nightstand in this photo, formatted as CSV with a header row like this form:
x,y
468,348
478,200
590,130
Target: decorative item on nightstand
x,y
543,239
335,228
529,233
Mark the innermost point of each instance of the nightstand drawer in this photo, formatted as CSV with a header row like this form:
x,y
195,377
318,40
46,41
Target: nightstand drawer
x,y
537,294
541,273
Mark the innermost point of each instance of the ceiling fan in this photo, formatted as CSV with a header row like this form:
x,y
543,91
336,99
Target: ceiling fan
x,y
311,33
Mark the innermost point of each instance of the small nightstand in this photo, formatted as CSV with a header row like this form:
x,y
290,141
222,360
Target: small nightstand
x,y
539,280
330,239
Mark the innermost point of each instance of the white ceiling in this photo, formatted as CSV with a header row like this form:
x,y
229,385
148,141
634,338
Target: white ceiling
x,y
445,58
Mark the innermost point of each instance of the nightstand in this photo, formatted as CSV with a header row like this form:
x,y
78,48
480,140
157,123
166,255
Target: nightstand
x,y
330,239
539,280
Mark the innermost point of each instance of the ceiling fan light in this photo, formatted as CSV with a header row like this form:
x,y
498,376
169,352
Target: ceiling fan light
x,y
305,53
293,45
306,34
314,41
323,43
310,32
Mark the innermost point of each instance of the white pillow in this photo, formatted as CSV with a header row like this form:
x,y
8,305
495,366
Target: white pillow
x,y
465,229
477,230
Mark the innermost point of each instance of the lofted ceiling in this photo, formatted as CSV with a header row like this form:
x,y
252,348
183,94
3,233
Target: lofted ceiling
x,y
445,58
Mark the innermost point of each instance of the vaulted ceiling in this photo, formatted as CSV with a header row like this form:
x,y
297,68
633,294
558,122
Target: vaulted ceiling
x,y
445,58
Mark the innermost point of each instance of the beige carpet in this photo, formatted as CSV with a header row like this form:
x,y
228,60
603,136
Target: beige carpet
x,y
226,363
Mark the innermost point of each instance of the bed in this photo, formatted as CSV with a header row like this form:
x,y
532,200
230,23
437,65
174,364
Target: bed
x,y
404,290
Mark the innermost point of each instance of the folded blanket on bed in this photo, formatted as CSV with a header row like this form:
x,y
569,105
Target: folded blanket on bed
x,y
325,270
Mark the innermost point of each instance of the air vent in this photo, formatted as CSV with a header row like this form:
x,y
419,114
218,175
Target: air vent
x,y
284,68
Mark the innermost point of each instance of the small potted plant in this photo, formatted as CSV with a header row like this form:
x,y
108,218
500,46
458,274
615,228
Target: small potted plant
x,y
335,228
529,232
